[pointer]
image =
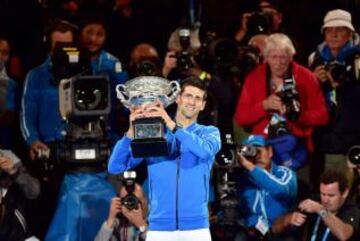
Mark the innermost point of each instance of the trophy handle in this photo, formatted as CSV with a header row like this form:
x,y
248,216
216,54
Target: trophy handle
x,y
175,90
122,95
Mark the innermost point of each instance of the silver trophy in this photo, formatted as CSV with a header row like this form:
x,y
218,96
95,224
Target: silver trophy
x,y
149,133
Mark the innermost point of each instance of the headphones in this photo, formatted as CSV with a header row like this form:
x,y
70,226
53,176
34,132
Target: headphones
x,y
58,25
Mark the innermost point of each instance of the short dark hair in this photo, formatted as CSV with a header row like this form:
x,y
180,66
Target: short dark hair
x,y
333,176
58,25
195,82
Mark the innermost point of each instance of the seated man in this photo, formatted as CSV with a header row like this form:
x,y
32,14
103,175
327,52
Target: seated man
x,y
115,226
333,218
16,186
267,191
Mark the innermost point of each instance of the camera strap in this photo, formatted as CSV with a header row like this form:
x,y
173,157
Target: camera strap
x,y
316,229
269,82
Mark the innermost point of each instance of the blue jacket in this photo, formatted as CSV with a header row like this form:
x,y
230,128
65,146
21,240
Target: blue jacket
x,y
178,183
278,189
40,116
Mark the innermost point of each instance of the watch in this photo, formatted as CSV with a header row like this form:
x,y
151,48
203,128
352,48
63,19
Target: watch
x,y
142,228
323,213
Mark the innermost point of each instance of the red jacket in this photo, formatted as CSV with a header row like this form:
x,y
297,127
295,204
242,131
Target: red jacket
x,y
251,114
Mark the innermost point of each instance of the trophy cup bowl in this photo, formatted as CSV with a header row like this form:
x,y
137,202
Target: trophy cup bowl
x,y
149,133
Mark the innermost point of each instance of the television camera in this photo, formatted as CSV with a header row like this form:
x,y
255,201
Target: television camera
x,y
227,171
84,104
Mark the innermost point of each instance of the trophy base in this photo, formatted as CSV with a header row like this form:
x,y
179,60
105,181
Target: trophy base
x,y
151,147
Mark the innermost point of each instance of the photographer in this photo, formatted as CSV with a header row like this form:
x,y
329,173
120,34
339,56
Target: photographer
x,y
266,20
333,64
16,187
281,87
8,98
184,44
333,218
40,121
114,227
267,190
144,61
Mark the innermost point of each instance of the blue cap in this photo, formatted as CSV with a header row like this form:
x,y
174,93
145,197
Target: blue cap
x,y
255,140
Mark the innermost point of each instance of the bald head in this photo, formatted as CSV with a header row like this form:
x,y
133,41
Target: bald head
x,y
142,51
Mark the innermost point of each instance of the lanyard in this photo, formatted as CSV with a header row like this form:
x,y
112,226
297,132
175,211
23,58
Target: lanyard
x,y
262,204
316,228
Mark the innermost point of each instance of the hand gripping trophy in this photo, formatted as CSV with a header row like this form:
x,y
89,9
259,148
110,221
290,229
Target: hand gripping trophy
x,y
149,133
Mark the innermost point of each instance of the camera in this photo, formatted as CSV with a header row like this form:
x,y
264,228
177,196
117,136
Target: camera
x,y
226,157
146,67
337,70
84,102
68,61
130,201
277,126
249,152
84,97
290,97
183,57
353,155
260,23
226,57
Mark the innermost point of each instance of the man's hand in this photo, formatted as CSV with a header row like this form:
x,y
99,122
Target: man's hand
x,y
248,165
274,103
136,112
323,75
310,206
115,209
157,109
297,219
135,216
240,34
170,63
35,147
7,165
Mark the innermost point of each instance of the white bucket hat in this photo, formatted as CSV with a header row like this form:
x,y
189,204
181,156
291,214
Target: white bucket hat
x,y
337,18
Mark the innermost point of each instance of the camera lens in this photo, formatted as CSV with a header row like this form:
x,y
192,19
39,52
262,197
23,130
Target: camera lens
x,y
91,94
130,201
354,155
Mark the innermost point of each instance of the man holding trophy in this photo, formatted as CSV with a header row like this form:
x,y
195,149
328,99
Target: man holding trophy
x,y
179,153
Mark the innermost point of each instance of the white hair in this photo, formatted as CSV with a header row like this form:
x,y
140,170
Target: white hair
x,y
279,41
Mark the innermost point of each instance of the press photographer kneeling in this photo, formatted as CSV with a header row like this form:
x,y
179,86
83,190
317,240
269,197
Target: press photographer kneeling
x,y
129,207
267,190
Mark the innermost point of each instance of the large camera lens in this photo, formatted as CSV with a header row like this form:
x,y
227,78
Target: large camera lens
x,y
248,151
259,23
130,201
91,94
224,51
354,155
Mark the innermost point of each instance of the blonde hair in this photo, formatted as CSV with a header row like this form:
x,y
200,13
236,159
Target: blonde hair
x,y
279,41
174,40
